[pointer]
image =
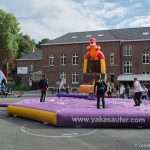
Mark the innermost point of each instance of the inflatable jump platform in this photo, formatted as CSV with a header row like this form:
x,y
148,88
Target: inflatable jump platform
x,y
79,112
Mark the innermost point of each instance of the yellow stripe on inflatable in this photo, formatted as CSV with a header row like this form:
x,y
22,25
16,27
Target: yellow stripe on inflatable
x,y
103,66
39,115
85,66
93,83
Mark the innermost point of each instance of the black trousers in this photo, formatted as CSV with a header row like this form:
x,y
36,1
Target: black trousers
x,y
43,95
100,94
109,94
144,97
137,98
56,89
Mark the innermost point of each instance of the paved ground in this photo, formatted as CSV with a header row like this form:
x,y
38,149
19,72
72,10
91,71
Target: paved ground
x,y
23,134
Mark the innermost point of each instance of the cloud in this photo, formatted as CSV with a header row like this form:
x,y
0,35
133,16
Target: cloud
x,y
50,19
35,29
60,18
138,21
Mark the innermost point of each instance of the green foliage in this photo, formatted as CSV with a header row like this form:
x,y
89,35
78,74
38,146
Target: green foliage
x,y
15,87
13,44
43,41
21,88
9,30
26,45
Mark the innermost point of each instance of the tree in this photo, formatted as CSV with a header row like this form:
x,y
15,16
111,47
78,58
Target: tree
x,y
9,30
43,41
25,45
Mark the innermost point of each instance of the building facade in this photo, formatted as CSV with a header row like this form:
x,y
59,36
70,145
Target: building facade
x,y
32,64
126,53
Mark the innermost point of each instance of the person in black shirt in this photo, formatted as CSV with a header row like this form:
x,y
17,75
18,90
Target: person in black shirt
x,y
68,89
43,84
101,89
109,91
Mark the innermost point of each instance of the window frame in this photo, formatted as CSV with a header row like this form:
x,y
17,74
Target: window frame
x,y
112,58
63,60
127,67
30,67
75,78
52,60
145,57
63,76
75,59
127,50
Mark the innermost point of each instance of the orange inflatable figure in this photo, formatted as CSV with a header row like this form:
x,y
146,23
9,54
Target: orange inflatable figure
x,y
94,51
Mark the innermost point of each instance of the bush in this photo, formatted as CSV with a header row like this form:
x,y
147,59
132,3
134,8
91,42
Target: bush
x,y
13,86
21,88
35,85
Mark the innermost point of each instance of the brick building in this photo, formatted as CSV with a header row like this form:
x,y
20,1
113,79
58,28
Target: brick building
x,y
126,53
32,64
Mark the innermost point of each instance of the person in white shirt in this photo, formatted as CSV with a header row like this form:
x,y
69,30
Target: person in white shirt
x,y
121,91
144,93
109,91
58,86
137,92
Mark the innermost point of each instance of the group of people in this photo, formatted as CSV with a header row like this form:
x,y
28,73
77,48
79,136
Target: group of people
x,y
3,88
100,88
138,92
129,92
43,85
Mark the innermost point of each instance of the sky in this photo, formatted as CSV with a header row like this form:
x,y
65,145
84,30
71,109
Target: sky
x,y
53,18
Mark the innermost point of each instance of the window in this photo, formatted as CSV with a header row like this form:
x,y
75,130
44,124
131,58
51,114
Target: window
x,y
63,60
74,59
145,58
74,37
100,35
127,50
51,60
63,77
111,58
145,33
30,81
111,78
31,68
88,36
127,67
146,72
74,78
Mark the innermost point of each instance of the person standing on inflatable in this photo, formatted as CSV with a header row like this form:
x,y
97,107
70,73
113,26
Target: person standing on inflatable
x,y
58,86
101,89
43,84
137,92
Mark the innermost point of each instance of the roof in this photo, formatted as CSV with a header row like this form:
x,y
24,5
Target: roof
x,y
140,77
141,33
36,55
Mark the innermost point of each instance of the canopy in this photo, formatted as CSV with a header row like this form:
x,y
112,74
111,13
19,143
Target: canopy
x,y
130,77
2,76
